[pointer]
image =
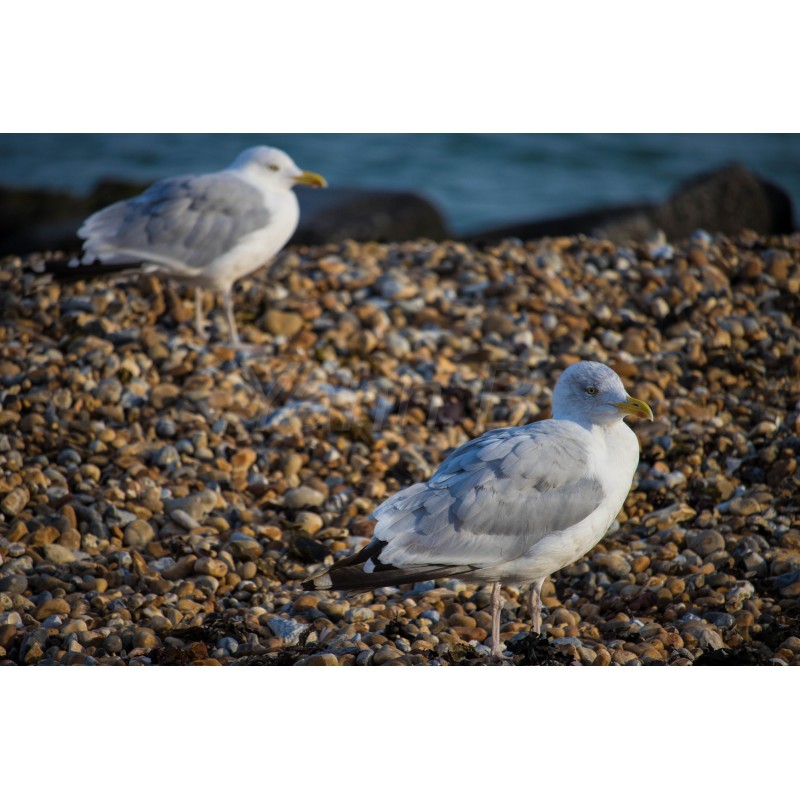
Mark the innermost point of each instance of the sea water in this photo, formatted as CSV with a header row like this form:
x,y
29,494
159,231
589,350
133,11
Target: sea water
x,y
476,180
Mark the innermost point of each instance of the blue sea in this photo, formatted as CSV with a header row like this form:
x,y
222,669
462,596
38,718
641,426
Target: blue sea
x,y
476,180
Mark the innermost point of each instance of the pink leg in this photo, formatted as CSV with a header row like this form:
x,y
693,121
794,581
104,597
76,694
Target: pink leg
x,y
497,647
199,322
233,331
535,605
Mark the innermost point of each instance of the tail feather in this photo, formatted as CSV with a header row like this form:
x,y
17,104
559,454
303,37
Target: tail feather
x,y
67,270
349,574
354,578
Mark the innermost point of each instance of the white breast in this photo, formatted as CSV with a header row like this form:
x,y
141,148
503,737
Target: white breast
x,y
259,247
560,549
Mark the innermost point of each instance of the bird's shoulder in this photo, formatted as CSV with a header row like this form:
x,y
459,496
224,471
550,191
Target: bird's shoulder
x,y
218,191
543,446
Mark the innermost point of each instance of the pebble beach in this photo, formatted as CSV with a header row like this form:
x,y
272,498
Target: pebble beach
x,y
162,497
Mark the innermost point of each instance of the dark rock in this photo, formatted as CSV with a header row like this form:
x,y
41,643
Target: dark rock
x,y
48,219
366,216
724,200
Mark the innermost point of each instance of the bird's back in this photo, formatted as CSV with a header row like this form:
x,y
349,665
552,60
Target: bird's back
x,y
189,221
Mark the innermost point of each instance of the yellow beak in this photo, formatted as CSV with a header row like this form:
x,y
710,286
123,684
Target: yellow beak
x,y
636,407
311,179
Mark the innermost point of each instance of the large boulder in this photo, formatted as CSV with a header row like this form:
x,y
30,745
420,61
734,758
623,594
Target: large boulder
x,y
367,215
724,200
33,220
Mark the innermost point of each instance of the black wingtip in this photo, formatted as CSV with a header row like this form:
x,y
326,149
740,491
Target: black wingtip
x,y
67,270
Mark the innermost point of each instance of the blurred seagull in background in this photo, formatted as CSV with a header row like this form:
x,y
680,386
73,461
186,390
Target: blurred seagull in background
x,y
207,231
513,505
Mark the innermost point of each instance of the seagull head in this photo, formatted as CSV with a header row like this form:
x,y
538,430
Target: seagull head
x,y
275,168
592,393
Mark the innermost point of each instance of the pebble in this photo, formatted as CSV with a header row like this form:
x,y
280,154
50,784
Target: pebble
x,y
59,554
286,629
705,542
614,564
15,501
196,506
138,533
320,660
303,496
165,456
244,546
13,584
197,487
282,323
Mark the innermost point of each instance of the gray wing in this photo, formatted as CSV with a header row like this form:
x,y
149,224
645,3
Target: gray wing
x,y
492,499
187,221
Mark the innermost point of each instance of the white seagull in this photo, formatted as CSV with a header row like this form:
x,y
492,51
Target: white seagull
x,y
512,506
203,230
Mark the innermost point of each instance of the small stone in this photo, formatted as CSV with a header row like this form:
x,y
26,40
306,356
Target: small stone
x,y
282,323
15,501
7,634
13,584
55,605
228,644
778,263
165,456
640,564
322,660
386,654
166,428
211,566
197,505
615,565
286,629
792,644
705,542
710,638
303,496
180,570
138,533
359,615
744,506
309,522
720,619
243,459
669,516
333,609
244,546
145,638
184,519
59,554
247,570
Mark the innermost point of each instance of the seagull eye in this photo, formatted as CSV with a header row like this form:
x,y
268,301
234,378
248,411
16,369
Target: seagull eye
x,y
273,167
591,390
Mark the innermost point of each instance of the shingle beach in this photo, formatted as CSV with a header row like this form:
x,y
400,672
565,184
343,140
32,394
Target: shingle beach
x,y
162,498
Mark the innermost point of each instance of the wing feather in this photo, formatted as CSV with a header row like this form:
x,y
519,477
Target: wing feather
x,y
190,221
493,498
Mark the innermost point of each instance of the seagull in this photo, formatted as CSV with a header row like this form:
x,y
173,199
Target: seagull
x,y
512,506
207,231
